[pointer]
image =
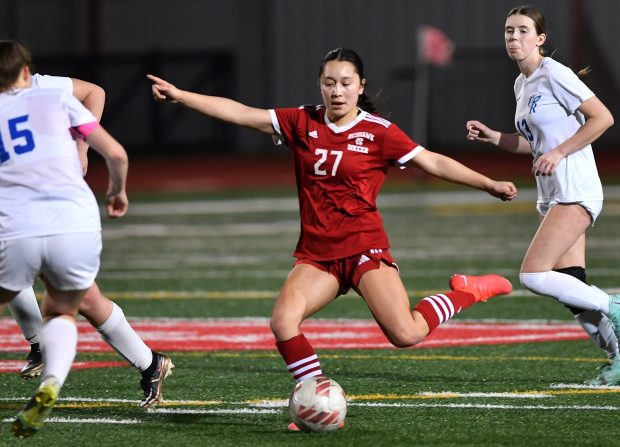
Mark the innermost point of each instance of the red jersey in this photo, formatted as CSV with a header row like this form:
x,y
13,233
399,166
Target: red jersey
x,y
339,172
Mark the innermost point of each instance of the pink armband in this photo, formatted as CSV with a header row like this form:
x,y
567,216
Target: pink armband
x,y
84,130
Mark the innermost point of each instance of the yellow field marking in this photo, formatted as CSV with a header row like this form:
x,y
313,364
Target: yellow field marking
x,y
614,390
395,356
402,396
408,357
88,405
455,395
78,403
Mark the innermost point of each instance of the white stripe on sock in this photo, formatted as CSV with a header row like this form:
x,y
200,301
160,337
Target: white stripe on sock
x,y
311,374
435,308
448,303
302,361
305,368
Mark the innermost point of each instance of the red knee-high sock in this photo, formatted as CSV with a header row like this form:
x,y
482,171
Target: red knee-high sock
x,y
300,358
442,306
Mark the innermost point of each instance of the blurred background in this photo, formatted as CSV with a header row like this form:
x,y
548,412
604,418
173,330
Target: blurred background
x,y
266,53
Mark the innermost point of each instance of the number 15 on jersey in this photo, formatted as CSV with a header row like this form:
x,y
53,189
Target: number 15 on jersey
x,y
20,135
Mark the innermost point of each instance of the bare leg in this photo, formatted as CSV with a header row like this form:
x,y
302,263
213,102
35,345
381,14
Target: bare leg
x,y
387,299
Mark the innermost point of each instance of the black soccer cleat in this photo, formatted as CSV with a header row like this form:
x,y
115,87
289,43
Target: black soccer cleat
x,y
152,383
34,363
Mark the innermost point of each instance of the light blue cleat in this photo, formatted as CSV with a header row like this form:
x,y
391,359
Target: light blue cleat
x,y
610,374
614,313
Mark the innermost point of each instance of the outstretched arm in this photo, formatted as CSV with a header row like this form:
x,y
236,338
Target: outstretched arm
x,y
223,109
451,170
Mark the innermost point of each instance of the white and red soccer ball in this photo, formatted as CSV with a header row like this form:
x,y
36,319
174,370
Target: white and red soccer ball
x,y
318,404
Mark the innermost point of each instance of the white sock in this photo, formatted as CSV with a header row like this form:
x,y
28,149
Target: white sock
x,y
58,346
566,289
117,332
25,310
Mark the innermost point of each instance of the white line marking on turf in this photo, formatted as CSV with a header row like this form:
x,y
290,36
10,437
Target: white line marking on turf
x,y
220,411
88,421
583,386
76,399
488,406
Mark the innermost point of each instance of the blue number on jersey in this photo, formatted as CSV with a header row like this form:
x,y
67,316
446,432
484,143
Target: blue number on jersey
x,y
17,133
525,130
4,155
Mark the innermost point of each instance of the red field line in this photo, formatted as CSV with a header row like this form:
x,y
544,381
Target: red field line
x,y
254,334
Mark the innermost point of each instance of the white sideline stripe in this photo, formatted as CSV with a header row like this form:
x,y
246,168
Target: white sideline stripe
x,y
221,411
271,204
384,201
87,421
488,406
583,386
78,399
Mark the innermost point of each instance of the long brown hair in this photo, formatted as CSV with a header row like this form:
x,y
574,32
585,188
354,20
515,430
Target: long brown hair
x,y
14,56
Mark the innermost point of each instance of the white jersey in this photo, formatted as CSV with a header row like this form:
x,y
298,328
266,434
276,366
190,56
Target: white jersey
x,y
47,81
547,115
42,191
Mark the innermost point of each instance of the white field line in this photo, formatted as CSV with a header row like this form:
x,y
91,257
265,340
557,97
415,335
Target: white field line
x,y
214,411
271,406
87,421
489,406
384,201
582,386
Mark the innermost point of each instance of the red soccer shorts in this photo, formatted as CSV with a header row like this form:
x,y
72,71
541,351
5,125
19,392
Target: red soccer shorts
x,y
348,271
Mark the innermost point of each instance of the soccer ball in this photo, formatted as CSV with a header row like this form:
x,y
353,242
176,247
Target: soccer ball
x,y
318,404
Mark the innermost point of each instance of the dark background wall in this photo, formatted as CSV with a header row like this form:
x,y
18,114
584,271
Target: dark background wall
x,y
266,53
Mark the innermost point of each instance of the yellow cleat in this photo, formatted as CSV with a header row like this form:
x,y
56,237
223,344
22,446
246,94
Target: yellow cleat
x,y
31,418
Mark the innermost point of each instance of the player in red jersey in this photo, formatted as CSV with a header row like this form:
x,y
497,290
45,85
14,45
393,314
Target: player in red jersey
x,y
342,151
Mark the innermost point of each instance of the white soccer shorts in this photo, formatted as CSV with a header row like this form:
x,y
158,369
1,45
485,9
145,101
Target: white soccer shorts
x,y
593,207
68,261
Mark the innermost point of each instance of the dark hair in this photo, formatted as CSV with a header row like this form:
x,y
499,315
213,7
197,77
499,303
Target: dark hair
x,y
537,17
346,55
13,58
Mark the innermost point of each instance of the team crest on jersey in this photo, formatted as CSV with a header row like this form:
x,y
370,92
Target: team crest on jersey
x,y
359,137
359,141
533,102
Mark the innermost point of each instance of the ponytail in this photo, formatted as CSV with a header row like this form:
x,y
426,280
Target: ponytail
x,y
367,104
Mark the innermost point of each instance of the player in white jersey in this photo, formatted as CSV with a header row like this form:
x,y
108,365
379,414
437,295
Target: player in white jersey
x,y
49,217
557,118
103,314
